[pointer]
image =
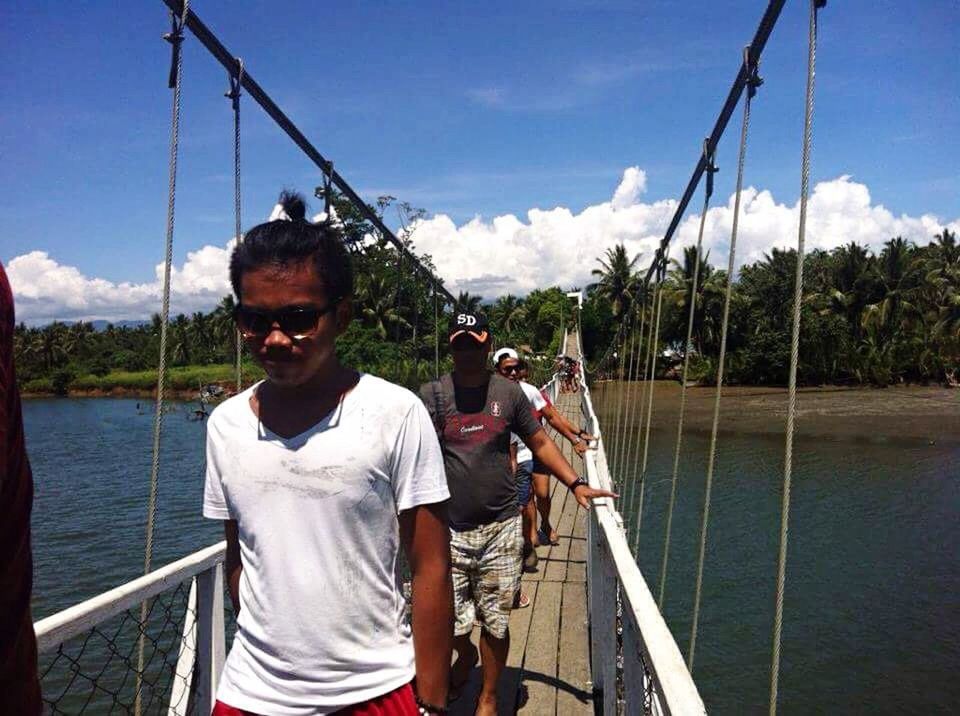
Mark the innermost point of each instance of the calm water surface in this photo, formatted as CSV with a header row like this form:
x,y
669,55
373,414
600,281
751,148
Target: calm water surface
x,y
872,615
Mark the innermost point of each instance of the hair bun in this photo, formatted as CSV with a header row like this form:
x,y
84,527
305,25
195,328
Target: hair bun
x,y
293,205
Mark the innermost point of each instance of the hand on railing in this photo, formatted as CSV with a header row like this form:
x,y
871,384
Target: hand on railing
x,y
584,494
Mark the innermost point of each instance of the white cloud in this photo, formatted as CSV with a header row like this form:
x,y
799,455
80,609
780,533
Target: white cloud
x,y
556,246
45,290
506,254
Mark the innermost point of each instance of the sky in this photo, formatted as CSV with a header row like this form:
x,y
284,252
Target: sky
x,y
535,135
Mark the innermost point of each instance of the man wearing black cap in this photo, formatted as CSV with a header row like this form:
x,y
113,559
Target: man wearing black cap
x,y
474,412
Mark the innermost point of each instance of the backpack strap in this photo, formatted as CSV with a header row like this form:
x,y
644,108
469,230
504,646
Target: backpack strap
x,y
439,409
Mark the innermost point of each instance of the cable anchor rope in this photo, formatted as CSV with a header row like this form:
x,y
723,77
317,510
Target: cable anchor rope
x,y
754,80
175,38
236,83
711,167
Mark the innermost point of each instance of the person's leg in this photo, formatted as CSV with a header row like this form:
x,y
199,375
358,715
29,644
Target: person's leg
x,y
527,513
541,490
498,582
463,567
493,657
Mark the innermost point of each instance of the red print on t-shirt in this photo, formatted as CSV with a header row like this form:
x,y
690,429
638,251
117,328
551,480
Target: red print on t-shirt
x,y
474,429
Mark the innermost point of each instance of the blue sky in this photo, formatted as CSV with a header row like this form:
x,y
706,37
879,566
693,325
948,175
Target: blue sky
x,y
465,109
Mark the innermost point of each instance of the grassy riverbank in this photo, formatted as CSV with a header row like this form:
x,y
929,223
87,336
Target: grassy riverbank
x,y
182,382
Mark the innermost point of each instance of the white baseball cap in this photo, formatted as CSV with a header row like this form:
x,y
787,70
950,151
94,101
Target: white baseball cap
x,y
504,353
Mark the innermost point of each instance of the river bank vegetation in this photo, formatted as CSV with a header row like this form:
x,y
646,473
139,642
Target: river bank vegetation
x,y
868,318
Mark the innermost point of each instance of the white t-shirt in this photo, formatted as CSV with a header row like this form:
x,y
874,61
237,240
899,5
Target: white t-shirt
x,y
321,624
538,403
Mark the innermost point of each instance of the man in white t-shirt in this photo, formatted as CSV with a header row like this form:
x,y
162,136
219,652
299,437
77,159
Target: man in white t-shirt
x,y
321,476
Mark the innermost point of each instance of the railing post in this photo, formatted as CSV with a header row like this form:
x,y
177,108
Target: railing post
x,y
211,644
186,658
603,617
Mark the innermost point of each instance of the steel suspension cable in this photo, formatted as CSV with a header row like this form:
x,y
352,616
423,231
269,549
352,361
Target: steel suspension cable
x,y
638,346
436,334
714,428
234,96
644,389
631,413
623,455
175,38
815,5
687,349
650,391
616,428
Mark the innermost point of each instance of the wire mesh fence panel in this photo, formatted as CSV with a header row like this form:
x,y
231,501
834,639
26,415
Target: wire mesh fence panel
x,y
96,672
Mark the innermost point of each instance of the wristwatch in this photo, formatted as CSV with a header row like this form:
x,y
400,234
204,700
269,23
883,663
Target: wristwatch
x,y
576,483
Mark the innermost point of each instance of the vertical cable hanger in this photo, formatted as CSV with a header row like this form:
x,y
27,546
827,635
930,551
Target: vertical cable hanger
x,y
175,38
233,94
753,82
711,169
815,6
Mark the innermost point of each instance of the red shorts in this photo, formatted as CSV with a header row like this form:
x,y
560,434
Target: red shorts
x,y
399,702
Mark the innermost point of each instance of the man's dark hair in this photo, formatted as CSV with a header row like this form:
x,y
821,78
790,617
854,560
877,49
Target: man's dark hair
x,y
281,242
522,364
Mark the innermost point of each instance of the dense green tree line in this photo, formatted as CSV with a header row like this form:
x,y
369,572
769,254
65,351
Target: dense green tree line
x,y
872,318
867,318
397,319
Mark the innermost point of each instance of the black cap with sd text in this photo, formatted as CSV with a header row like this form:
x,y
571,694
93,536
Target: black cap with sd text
x,y
471,324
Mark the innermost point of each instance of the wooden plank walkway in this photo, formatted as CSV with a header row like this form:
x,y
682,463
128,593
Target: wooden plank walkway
x,y
548,666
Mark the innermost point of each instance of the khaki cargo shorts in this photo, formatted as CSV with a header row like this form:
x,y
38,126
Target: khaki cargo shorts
x,y
486,575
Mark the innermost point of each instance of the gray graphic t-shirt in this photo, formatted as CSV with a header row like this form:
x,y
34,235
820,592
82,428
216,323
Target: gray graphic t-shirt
x,y
474,426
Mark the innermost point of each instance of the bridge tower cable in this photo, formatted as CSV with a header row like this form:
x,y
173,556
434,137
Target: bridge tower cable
x,y
815,6
687,350
750,67
757,44
193,23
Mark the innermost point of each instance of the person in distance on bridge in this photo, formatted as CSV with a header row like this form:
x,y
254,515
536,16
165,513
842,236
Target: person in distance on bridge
x,y
541,479
474,412
321,475
511,367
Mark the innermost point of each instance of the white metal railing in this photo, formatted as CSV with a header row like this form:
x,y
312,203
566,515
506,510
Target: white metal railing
x,y
201,647
654,676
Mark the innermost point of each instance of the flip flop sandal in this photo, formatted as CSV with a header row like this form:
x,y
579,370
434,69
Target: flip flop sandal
x,y
522,601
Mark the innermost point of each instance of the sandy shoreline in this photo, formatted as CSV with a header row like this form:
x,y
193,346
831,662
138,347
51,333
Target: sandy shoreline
x,y
901,413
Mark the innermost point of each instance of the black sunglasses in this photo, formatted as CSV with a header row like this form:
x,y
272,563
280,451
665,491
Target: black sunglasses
x,y
295,322
510,369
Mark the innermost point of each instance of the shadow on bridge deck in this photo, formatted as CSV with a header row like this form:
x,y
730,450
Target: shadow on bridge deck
x,y
548,667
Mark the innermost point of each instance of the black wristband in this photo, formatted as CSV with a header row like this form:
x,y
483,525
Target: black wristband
x,y
576,483
428,709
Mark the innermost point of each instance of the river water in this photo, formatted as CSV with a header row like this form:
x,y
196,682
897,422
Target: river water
x,y
872,615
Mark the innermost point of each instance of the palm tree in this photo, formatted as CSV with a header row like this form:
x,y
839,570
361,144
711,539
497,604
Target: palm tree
x,y
679,288
469,302
48,345
617,281
181,350
897,274
507,314
378,306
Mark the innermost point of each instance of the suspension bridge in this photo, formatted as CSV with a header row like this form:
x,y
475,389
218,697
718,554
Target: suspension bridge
x,y
594,638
